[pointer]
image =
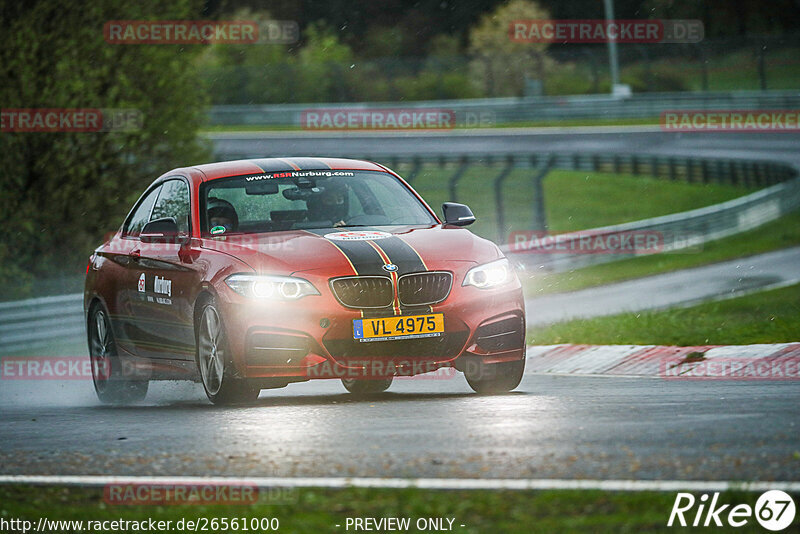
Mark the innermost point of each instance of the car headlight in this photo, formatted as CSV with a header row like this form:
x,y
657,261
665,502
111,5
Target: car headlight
x,y
270,287
489,275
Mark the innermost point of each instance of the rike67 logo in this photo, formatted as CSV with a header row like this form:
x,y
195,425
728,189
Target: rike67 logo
x,y
774,510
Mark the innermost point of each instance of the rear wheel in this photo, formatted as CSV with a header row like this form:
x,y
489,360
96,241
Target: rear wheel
x,y
110,383
215,363
494,377
366,386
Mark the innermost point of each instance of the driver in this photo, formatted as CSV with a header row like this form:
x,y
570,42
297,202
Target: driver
x,y
330,204
221,214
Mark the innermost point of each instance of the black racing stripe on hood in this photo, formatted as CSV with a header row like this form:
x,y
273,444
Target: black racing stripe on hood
x,y
401,254
365,259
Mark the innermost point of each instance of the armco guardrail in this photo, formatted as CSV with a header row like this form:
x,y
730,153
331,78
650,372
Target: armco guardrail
x,y
481,112
41,322
686,230
58,320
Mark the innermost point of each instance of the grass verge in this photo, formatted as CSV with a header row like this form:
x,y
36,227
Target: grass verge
x,y
574,200
781,233
765,317
321,510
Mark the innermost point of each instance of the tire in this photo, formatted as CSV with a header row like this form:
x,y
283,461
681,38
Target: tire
x,y
215,362
366,386
110,383
495,377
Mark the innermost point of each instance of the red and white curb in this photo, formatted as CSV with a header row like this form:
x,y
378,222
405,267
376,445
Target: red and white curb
x,y
654,360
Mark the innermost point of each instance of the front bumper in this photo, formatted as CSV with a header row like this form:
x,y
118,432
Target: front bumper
x,y
313,337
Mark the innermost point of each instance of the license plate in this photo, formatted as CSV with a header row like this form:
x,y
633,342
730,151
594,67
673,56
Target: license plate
x,y
402,327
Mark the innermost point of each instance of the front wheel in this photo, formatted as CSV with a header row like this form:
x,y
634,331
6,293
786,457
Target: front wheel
x,y
110,382
494,377
215,363
366,386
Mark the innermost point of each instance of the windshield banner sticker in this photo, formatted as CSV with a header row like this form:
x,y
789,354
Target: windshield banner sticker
x,y
357,236
299,174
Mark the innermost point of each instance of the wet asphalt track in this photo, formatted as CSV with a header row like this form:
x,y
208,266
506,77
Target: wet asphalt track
x,y
551,427
726,279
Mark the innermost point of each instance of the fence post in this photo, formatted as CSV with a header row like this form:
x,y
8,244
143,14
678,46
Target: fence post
x,y
456,176
539,214
498,196
414,170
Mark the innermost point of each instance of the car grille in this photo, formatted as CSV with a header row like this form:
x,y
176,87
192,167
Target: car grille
x,y
446,346
415,289
419,289
363,291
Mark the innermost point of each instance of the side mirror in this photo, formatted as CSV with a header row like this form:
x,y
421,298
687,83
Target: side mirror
x,y
164,230
457,214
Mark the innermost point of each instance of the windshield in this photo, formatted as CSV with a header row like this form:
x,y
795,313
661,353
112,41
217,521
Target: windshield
x,y
274,202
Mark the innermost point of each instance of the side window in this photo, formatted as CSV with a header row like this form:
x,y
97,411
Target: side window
x,y
141,214
173,202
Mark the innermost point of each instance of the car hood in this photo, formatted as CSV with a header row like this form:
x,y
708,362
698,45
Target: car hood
x,y
365,251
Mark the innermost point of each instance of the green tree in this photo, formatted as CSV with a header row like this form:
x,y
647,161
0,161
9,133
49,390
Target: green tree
x,y
61,192
324,62
248,73
501,65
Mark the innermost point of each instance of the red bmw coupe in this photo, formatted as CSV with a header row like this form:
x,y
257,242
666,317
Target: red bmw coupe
x,y
253,274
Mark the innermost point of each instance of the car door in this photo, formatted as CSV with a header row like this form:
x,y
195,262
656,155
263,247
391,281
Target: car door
x,y
164,316
129,288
